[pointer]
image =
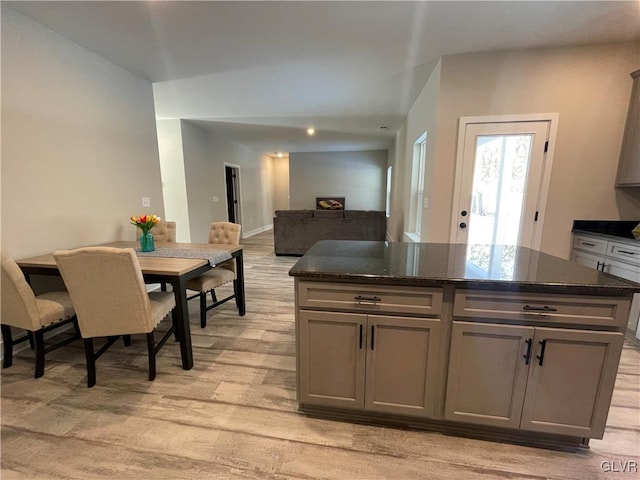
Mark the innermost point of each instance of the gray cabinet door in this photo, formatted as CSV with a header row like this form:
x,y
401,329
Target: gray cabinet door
x,y
403,357
569,390
332,358
487,373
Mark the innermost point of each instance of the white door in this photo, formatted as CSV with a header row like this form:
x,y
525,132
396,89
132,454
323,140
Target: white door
x,y
499,182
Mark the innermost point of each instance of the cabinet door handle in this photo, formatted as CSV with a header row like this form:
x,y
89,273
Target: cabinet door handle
x,y
602,265
360,336
372,336
541,356
527,357
627,252
545,309
361,298
598,266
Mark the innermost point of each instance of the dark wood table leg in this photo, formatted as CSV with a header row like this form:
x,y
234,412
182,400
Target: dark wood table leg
x,y
239,284
184,330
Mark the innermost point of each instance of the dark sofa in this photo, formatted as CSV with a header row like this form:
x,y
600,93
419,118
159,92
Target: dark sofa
x,y
295,231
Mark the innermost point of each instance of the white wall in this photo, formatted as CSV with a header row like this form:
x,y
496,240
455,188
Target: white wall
x,y
204,174
79,145
174,183
360,177
281,183
589,87
205,154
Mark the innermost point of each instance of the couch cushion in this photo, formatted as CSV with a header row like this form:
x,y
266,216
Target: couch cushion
x,y
294,213
328,213
364,214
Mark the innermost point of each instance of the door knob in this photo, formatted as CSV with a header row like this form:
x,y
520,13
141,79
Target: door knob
x,y
463,213
463,225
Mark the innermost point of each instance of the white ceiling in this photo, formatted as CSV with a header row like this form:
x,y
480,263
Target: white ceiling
x,y
261,72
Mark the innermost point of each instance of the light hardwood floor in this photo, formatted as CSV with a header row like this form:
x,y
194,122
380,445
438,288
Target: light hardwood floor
x,y
234,415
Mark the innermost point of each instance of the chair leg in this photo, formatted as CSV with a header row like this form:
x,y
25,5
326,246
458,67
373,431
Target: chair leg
x,y
213,296
7,341
91,362
235,293
203,309
151,347
127,340
174,320
163,286
32,345
39,339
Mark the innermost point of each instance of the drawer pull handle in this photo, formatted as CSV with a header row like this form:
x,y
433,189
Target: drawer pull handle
x,y
545,309
527,357
541,356
588,244
627,252
360,298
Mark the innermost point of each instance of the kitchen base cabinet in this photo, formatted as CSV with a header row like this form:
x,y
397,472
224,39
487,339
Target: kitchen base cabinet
x,y
548,380
571,381
487,374
400,356
402,365
331,366
410,335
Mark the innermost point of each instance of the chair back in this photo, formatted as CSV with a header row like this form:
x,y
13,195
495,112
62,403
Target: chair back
x,y
164,231
18,306
107,290
224,233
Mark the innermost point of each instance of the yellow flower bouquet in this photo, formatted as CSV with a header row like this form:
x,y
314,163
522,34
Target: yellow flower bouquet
x,y
145,222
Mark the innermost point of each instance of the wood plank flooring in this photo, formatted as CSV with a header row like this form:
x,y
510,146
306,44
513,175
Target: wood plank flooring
x,y
234,415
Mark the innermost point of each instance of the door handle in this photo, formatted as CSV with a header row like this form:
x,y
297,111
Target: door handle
x,y
373,330
527,357
463,213
541,356
360,336
463,225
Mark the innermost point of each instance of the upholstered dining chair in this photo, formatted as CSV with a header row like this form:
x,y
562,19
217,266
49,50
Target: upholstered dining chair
x,y
21,308
108,292
164,231
219,233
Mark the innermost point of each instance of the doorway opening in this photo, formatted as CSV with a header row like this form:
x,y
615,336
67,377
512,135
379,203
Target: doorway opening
x,y
232,181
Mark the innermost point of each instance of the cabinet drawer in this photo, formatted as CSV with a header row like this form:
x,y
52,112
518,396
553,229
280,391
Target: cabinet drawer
x,y
374,299
624,252
590,244
532,308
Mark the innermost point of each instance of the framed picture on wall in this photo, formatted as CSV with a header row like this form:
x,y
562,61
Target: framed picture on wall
x,y
330,203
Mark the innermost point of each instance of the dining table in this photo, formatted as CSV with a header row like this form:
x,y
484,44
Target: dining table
x,y
172,264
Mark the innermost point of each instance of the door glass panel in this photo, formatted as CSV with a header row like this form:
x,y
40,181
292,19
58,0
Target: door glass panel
x,y
499,184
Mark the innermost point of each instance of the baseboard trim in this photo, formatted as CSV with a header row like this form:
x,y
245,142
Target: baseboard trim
x,y
256,231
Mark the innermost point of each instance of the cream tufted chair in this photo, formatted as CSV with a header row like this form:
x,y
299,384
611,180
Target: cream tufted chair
x,y
219,233
110,298
164,231
21,308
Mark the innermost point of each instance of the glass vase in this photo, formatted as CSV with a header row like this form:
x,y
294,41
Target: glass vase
x,y
146,242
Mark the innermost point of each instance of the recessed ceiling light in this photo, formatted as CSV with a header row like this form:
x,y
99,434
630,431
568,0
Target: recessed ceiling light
x,y
311,131
279,154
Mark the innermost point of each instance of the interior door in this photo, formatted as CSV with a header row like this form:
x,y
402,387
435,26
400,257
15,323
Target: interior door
x,y
499,188
233,193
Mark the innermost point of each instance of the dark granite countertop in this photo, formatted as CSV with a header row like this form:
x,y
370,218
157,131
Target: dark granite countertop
x,y
494,267
612,229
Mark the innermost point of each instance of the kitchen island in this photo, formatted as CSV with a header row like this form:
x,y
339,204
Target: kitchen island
x,y
496,342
